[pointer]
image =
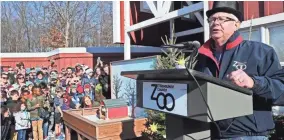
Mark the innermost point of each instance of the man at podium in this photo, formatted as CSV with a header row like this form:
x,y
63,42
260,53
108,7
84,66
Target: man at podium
x,y
248,64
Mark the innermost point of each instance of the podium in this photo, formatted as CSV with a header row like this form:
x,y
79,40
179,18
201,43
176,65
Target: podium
x,y
175,92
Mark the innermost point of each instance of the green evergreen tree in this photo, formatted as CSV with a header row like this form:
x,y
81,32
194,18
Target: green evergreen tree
x,y
156,126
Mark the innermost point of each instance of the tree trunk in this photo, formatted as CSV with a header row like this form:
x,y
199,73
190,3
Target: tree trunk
x,y
28,36
67,25
67,34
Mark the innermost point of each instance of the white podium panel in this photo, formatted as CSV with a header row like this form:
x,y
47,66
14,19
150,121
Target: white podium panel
x,y
165,97
184,99
175,92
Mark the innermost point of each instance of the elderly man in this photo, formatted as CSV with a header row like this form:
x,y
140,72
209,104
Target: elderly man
x,y
248,64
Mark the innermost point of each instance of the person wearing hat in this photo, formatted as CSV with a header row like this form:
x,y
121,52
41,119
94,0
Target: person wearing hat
x,y
247,64
89,78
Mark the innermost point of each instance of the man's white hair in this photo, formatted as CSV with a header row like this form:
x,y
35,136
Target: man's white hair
x,y
232,16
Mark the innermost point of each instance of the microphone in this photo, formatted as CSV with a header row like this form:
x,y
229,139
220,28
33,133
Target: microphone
x,y
189,45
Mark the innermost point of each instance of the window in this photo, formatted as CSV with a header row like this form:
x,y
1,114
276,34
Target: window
x,y
276,35
255,35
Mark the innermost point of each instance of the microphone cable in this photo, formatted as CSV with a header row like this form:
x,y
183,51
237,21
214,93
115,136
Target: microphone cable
x,y
189,66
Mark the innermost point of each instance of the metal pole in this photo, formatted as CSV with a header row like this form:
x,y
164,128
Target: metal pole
x,y
127,45
205,25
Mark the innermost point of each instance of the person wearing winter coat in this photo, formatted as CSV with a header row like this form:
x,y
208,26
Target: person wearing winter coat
x,y
89,78
104,80
247,64
11,102
6,120
75,99
40,78
22,120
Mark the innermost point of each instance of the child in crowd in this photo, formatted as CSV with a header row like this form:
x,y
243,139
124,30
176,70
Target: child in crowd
x,y
89,92
66,102
75,99
6,121
3,97
11,103
26,95
22,118
58,114
30,85
34,105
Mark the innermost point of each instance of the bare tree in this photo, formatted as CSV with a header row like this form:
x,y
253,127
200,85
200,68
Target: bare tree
x,y
81,24
130,95
21,9
117,84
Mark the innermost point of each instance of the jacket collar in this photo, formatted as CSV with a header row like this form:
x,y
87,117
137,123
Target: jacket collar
x,y
232,42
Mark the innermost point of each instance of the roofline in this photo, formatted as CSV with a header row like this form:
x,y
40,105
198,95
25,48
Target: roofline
x,y
263,20
92,50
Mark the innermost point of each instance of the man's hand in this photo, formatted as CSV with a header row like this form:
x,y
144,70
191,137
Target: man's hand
x,y
240,78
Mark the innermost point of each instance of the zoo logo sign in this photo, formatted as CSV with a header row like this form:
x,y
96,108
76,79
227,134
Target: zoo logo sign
x,y
239,65
165,96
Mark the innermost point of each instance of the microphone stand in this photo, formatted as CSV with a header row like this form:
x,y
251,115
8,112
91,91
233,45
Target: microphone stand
x,y
191,47
190,64
192,58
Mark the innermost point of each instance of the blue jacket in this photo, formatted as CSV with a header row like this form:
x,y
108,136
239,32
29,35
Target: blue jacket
x,y
260,62
87,80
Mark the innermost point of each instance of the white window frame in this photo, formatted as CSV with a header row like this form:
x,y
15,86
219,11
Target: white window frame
x,y
267,27
264,31
263,23
144,9
192,16
257,28
271,25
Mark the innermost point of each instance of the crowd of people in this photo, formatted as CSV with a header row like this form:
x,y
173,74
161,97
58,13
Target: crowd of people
x,y
33,99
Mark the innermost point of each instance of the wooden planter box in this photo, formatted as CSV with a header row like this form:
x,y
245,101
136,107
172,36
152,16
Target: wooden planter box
x,y
117,129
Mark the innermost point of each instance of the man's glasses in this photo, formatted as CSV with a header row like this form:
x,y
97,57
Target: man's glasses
x,y
21,78
220,20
